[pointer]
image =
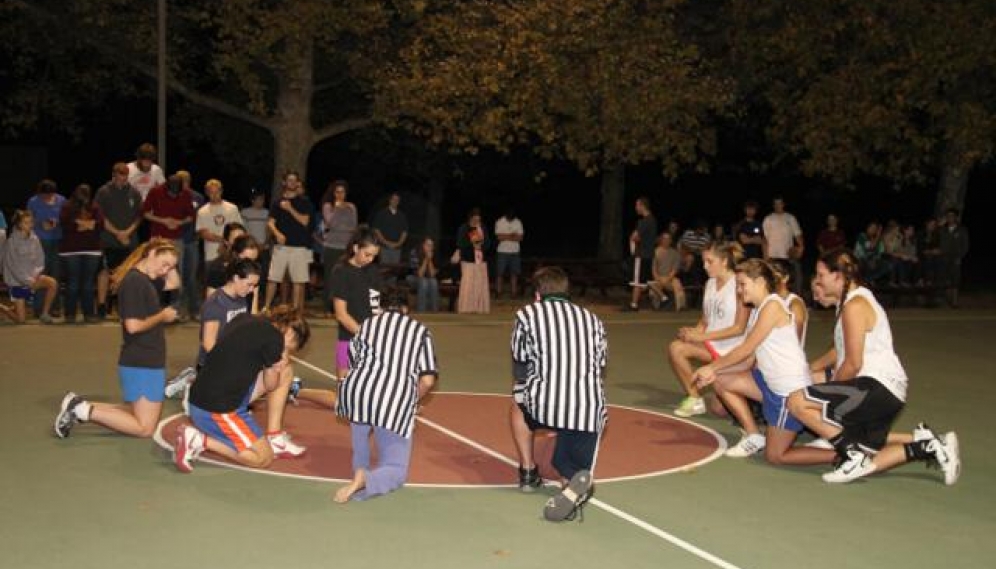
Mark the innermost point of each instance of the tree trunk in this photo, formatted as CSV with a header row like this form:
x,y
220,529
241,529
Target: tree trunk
x,y
293,134
610,240
953,185
433,209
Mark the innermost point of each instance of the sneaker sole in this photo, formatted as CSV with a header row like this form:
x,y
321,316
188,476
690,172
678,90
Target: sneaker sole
x,y
180,454
63,409
560,507
951,442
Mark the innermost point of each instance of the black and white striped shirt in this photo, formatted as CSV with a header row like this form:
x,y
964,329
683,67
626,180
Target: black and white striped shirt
x,y
387,357
564,350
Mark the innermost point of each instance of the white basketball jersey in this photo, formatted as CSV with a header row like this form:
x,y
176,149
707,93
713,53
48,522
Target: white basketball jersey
x,y
880,361
719,308
779,356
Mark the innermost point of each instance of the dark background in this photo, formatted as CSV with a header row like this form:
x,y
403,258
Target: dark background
x,y
559,206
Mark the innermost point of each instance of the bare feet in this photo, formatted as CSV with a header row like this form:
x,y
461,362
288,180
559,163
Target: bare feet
x,y
342,495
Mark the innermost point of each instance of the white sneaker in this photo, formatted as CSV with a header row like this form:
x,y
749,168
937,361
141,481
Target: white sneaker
x,y
284,447
691,406
749,445
945,449
821,444
921,432
189,445
856,465
175,386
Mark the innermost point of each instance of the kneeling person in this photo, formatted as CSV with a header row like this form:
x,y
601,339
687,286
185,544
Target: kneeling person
x,y
392,366
559,352
250,359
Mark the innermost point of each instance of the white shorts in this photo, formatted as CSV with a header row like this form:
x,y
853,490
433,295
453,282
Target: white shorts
x,y
294,260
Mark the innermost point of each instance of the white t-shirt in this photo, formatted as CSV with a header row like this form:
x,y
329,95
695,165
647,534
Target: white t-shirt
x,y
214,218
503,225
780,229
145,181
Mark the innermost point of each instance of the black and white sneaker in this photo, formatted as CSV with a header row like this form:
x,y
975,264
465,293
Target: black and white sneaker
x,y
946,452
569,502
175,386
66,418
855,464
529,480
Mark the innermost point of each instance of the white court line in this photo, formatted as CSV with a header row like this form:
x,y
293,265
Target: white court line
x,y
652,529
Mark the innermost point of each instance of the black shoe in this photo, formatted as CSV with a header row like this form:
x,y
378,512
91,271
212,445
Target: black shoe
x,y
569,503
529,480
630,308
67,417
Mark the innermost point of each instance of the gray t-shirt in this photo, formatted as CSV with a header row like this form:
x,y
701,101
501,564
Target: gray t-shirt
x,y
666,260
121,206
220,308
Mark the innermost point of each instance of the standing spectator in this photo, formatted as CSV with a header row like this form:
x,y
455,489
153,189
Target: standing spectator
x,y
508,232
121,206
169,208
831,237
424,274
954,246
46,207
213,217
718,234
256,218
667,262
191,254
674,228
869,250
641,248
390,225
144,174
340,219
784,237
80,252
290,222
930,252
23,268
750,232
394,366
559,354
472,241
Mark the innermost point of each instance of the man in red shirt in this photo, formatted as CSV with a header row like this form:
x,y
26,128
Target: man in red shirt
x,y
169,207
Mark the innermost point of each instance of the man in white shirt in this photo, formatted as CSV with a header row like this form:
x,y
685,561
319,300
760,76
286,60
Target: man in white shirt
x,y
144,174
213,217
508,230
784,238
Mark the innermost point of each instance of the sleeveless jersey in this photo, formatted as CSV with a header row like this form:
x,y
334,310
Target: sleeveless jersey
x,y
880,361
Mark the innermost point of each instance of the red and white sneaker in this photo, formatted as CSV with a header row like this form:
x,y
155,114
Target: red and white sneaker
x,y
189,445
284,447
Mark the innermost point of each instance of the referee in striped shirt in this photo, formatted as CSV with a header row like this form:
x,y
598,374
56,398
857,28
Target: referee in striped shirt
x,y
559,352
392,366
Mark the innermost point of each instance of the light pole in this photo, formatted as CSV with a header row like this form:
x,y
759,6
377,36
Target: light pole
x,y
161,86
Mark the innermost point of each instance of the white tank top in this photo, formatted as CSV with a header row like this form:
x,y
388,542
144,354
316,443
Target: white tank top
x,y
719,308
792,297
779,356
880,361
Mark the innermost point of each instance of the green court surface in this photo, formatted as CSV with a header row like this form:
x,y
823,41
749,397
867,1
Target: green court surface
x,y
102,500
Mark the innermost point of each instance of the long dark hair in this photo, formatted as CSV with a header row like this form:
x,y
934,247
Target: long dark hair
x,y
362,237
842,261
81,200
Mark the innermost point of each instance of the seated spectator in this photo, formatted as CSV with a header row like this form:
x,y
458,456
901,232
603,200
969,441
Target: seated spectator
x,y
425,273
831,237
23,267
905,258
665,268
892,238
869,250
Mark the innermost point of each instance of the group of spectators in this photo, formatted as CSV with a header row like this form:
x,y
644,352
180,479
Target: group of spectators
x,y
668,263
73,244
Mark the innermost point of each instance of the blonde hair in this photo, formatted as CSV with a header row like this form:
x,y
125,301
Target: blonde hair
x,y
730,251
755,268
154,246
214,183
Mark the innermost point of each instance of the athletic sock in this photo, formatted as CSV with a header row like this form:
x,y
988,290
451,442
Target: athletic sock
x,y
839,444
917,451
82,411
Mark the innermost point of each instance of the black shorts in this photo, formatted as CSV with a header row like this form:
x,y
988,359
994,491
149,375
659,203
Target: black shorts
x,y
573,451
863,407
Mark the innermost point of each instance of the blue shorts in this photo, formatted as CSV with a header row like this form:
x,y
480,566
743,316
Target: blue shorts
x,y
21,293
237,430
139,382
775,406
508,262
